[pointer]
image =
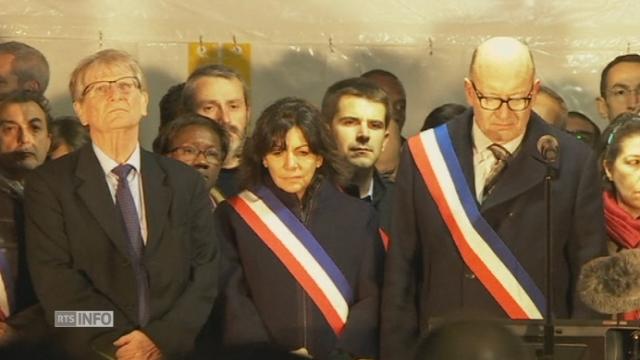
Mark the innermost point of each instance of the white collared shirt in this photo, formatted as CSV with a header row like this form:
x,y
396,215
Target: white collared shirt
x,y
134,178
483,159
370,192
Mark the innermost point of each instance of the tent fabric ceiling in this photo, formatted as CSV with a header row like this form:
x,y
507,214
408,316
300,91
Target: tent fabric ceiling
x,y
426,43
603,23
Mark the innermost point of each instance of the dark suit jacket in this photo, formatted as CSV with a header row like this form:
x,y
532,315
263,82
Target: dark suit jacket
x,y
425,275
77,248
263,301
383,200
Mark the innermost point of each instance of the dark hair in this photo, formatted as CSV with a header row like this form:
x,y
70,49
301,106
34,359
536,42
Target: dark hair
x,y
270,131
442,114
379,72
360,87
482,340
162,143
170,104
25,96
28,64
624,126
68,130
215,70
632,58
596,129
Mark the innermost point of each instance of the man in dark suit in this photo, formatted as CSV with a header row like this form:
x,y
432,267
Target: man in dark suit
x,y
428,273
24,142
357,112
113,227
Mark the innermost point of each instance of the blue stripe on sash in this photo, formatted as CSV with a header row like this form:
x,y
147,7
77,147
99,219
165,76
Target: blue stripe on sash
x,y
308,240
480,224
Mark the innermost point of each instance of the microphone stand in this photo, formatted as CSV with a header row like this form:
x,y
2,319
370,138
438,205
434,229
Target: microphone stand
x,y
549,327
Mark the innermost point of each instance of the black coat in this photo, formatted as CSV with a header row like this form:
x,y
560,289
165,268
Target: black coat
x,y
263,301
78,257
425,275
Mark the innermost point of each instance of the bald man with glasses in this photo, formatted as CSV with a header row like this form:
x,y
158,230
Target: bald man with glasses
x,y
476,183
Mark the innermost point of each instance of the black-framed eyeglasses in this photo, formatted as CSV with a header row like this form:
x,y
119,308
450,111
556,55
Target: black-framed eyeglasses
x,y
124,84
494,103
190,153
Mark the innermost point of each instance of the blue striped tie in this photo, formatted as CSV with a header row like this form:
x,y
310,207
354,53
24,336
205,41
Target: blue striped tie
x,y
127,207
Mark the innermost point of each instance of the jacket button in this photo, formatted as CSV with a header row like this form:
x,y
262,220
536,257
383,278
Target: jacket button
x,y
470,276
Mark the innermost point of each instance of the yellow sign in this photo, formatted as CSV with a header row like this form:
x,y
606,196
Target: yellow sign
x,y
234,55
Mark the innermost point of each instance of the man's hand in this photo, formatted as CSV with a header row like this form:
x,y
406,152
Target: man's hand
x,y
136,346
7,333
302,352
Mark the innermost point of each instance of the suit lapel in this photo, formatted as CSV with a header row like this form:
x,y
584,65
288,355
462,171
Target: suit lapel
x,y
157,197
525,171
93,189
460,132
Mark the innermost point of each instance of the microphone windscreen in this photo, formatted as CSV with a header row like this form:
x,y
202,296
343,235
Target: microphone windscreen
x,y
611,284
548,147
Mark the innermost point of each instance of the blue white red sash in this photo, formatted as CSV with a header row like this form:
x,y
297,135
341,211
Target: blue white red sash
x,y
299,251
480,246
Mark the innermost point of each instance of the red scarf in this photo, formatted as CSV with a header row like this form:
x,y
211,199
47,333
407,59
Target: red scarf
x,y
624,230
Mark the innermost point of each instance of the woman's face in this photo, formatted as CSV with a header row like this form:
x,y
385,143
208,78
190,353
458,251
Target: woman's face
x,y
292,165
625,174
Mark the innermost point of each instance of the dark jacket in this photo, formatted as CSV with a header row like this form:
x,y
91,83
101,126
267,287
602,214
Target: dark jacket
x,y
12,242
264,303
425,275
381,199
78,257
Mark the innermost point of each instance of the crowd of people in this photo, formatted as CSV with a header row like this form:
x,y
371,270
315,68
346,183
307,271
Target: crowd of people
x,y
323,233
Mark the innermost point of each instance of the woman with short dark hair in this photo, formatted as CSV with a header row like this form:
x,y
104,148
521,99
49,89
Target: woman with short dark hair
x,y
303,259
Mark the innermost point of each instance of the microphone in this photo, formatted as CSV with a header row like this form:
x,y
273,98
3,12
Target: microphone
x,y
611,284
548,147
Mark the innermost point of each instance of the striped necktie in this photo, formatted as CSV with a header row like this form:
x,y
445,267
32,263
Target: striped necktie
x,y
503,157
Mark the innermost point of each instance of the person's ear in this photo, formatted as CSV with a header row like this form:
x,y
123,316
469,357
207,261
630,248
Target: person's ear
x,y
144,103
603,108
607,171
386,139
77,107
469,93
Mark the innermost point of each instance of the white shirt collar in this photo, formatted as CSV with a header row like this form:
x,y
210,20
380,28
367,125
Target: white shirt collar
x,y
370,192
108,163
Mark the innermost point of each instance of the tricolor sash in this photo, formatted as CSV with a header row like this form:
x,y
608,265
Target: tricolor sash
x,y
299,251
480,246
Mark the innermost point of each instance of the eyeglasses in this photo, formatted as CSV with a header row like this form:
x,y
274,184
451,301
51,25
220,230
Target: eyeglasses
x,y
620,93
494,103
190,153
124,84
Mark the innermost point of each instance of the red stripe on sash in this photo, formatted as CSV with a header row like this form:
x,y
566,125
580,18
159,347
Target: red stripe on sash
x,y
479,268
290,262
385,239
